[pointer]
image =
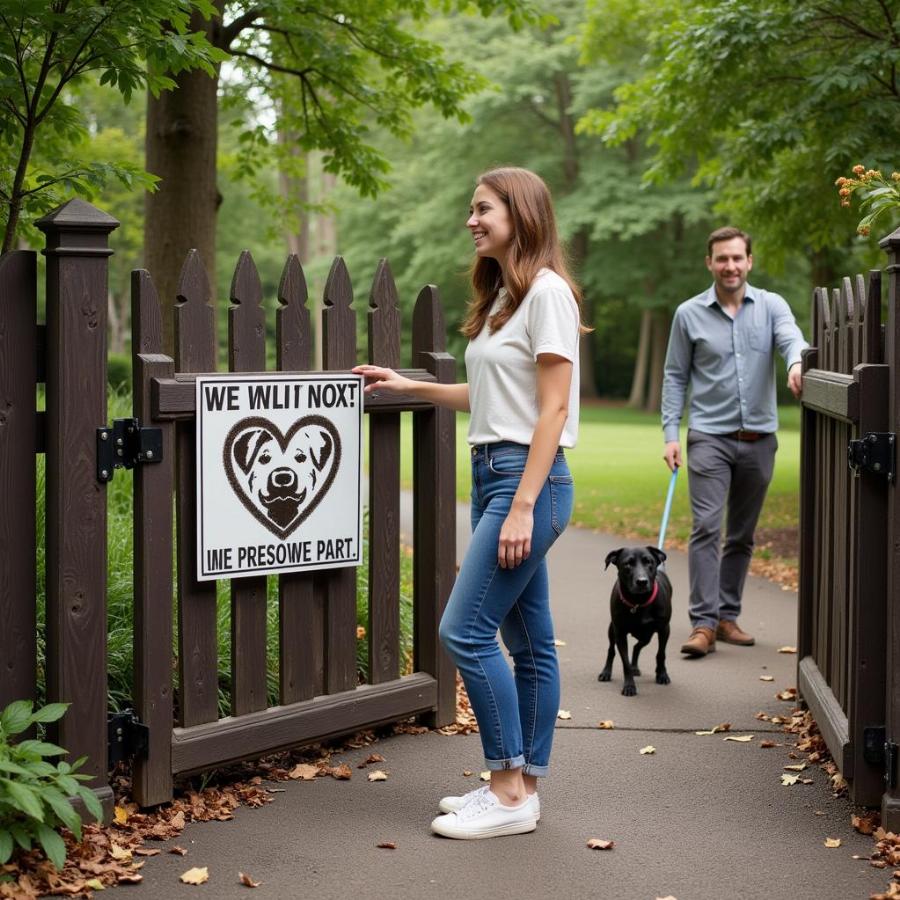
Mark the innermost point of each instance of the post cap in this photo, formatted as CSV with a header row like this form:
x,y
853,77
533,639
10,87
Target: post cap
x,y
892,240
77,214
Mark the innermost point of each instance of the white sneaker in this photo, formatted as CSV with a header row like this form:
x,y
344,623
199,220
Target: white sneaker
x,y
454,804
484,816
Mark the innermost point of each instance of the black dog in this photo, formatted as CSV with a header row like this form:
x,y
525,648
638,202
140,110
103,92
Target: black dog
x,y
640,605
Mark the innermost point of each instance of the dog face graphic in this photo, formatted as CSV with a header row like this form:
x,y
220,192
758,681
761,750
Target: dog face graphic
x,y
281,478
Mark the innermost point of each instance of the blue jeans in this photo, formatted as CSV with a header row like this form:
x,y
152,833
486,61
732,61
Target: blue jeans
x,y
517,711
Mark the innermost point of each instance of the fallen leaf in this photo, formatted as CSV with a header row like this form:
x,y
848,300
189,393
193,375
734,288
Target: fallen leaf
x,y
303,771
120,815
180,851
386,845
564,714
646,751
196,876
838,782
378,775
119,854
558,643
865,824
832,842
670,897
787,694
485,776
766,745
342,772
716,729
467,772
739,738
599,844
95,884
787,649
819,812
766,677
799,767
606,724
247,881
789,779
806,781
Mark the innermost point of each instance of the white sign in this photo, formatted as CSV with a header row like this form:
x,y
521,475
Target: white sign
x,y
279,473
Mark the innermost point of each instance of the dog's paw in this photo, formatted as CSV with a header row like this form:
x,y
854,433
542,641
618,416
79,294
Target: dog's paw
x,y
663,678
604,676
629,690
636,672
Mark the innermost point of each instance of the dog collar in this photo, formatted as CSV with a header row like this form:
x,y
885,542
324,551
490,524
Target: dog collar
x,y
634,606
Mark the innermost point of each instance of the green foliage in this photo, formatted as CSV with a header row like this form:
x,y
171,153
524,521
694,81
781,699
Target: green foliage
x,y
47,49
34,791
877,195
118,371
764,101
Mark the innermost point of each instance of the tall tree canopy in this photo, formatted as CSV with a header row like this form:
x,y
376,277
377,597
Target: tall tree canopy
x,y
766,101
330,74
46,50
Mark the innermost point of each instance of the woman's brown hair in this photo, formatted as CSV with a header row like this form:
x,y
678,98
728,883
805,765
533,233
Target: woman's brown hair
x,y
535,245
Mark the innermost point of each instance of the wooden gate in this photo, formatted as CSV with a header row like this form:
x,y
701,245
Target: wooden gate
x,y
318,693
318,690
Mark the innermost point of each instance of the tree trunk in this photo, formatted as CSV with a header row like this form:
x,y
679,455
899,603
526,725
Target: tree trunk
x,y
181,145
660,338
639,379
326,247
116,329
294,189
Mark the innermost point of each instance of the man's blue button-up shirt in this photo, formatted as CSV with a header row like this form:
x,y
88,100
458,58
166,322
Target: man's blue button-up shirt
x,y
728,364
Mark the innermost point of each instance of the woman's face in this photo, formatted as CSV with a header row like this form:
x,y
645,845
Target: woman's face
x,y
490,224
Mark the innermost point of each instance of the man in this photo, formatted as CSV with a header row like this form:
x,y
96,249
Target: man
x,y
721,347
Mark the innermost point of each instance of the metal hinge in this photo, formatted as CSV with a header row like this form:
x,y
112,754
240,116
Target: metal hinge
x,y
126,444
128,736
890,764
874,452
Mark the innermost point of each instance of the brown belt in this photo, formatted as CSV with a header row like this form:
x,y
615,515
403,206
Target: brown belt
x,y
748,436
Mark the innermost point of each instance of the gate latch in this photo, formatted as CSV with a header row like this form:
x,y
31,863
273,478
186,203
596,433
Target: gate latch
x,y
128,737
873,452
126,444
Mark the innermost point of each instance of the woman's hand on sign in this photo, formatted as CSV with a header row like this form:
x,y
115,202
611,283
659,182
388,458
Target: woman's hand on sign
x,y
379,378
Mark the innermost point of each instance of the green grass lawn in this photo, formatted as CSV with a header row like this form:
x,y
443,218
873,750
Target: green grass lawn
x,y
621,479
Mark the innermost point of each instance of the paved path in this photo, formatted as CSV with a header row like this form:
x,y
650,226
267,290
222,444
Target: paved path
x,y
701,819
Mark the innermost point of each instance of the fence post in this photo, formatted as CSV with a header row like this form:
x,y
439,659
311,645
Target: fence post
x,y
434,506
890,805
18,436
76,247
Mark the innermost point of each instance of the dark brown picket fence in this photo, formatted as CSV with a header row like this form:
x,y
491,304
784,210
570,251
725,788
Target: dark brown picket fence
x,y
319,695
848,626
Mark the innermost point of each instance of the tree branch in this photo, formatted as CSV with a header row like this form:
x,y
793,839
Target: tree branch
x,y
233,29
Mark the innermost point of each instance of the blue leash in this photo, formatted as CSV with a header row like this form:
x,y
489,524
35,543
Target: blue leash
x,y
668,509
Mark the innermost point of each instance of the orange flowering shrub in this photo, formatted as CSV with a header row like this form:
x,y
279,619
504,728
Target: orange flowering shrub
x,y
876,194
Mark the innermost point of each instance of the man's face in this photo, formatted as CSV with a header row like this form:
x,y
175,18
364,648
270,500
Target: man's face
x,y
729,265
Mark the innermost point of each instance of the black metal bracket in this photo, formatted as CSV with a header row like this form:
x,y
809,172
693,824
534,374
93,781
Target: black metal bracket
x,y
126,444
128,736
890,764
874,452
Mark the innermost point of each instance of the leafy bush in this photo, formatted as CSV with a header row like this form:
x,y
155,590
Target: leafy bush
x,y
118,371
33,791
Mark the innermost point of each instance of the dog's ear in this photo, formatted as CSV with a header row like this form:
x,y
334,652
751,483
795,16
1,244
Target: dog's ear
x,y
325,450
247,446
612,558
657,554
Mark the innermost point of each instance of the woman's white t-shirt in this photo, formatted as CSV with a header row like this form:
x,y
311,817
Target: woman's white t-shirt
x,y
501,368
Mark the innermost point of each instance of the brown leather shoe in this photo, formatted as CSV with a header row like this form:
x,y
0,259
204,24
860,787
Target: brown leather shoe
x,y
701,642
731,633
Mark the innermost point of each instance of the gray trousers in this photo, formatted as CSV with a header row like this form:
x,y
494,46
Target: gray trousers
x,y
723,473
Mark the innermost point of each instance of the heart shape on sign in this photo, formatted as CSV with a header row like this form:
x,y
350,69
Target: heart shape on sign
x,y
281,478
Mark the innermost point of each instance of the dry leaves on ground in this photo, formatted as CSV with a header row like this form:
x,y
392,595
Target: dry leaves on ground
x,y
648,750
832,843
386,845
600,844
789,780
465,718
198,875
564,714
606,725
739,738
716,729
378,775
485,776
766,677
247,881
787,694
787,649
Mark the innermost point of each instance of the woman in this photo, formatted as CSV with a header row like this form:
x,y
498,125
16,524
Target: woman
x,y
523,325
